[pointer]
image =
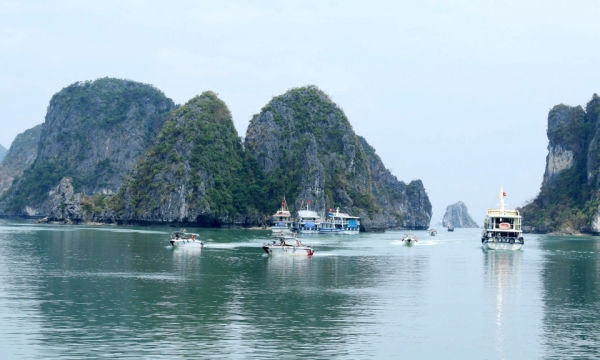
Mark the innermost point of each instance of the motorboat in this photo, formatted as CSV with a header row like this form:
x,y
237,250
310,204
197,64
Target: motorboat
x,y
450,227
502,228
183,237
281,221
309,221
340,223
410,239
432,232
288,245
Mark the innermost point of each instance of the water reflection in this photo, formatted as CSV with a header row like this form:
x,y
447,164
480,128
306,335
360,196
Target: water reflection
x,y
502,272
92,288
571,279
95,292
186,258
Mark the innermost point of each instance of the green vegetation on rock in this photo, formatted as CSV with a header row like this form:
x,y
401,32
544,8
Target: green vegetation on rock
x,y
197,171
568,200
307,150
20,156
115,150
93,133
302,138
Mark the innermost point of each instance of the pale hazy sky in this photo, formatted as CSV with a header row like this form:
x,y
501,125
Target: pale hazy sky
x,y
455,93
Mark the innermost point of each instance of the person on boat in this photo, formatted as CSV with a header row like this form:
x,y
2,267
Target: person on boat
x,y
193,237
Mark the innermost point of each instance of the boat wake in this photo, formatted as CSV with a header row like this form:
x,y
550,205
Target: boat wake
x,y
420,243
232,245
429,242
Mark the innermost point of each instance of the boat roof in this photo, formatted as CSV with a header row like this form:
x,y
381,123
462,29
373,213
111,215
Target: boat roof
x,y
308,213
501,213
344,215
338,214
282,213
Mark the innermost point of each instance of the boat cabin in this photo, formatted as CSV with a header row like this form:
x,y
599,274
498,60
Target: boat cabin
x,y
182,235
282,218
505,223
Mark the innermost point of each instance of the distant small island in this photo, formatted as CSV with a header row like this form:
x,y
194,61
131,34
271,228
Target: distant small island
x,y
457,215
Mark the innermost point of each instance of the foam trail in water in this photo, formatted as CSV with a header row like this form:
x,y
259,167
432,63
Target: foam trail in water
x,y
233,245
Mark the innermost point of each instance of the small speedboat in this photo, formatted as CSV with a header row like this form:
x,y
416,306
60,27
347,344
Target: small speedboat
x,y
182,237
432,232
410,239
288,245
450,228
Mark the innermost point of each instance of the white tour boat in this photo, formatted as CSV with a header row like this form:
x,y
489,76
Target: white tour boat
x,y
288,245
410,239
182,237
309,221
281,221
340,223
502,228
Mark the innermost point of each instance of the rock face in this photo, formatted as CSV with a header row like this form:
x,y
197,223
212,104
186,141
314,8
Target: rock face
x,y
119,151
402,206
307,150
458,216
194,175
65,203
3,152
568,199
21,155
93,133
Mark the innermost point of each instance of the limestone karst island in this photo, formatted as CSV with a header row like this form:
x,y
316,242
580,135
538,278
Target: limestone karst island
x,y
569,198
121,152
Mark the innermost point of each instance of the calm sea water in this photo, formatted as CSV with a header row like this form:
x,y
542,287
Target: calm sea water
x,y
120,292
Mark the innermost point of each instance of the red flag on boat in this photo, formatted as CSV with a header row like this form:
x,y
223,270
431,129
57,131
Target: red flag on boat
x,y
309,201
503,193
330,209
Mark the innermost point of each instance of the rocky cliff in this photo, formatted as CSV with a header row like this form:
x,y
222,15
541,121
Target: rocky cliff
x,y
196,173
3,152
458,216
568,199
119,151
93,133
307,150
20,156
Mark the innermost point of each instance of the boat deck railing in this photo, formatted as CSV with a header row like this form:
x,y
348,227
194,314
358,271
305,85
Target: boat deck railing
x,y
512,227
498,212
